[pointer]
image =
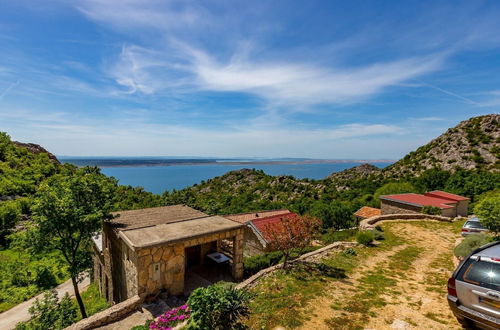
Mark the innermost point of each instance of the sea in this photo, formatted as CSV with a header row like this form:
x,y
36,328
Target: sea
x,y
160,174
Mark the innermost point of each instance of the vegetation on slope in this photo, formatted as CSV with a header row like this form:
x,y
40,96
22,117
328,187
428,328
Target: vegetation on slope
x,y
472,144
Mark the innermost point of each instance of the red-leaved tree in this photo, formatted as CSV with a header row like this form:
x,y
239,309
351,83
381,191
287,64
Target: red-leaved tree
x,y
290,233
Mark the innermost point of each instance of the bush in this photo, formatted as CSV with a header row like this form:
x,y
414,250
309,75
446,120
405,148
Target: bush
x,y
44,278
378,235
253,265
171,318
469,244
350,252
365,237
333,236
217,307
49,313
432,210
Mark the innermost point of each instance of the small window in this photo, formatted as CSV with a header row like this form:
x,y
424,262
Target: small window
x,y
482,273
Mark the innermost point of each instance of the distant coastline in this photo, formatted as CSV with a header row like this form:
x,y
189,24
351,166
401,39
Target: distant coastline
x,y
106,162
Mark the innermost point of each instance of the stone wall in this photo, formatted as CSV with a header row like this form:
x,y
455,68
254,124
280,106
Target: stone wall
x,y
124,270
391,207
112,314
163,267
462,208
370,222
253,245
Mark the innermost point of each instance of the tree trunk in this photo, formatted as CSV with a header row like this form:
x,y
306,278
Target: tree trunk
x,y
79,298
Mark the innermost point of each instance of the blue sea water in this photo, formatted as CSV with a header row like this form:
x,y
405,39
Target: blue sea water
x,y
157,179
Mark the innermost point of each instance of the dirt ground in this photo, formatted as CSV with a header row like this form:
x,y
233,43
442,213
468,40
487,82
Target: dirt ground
x,y
417,300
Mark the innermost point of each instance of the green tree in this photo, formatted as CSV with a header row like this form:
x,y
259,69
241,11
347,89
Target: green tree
x,y
394,188
336,215
69,211
488,210
433,179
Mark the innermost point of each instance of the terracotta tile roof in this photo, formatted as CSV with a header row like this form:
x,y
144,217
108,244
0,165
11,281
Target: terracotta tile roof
x,y
262,224
421,200
246,217
446,195
367,212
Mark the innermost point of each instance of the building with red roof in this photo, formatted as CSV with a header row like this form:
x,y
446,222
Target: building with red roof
x,y
451,205
256,235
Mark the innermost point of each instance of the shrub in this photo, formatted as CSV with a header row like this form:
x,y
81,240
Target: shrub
x,y
44,278
49,313
365,237
171,318
333,236
350,252
256,263
433,210
217,307
469,244
378,235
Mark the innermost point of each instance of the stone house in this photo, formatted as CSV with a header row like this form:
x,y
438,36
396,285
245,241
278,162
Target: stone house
x,y
255,234
141,252
451,205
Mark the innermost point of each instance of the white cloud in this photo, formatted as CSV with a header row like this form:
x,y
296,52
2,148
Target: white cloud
x,y
133,14
306,83
291,83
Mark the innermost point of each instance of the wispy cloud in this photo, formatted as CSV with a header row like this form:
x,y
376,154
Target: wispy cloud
x,y
147,71
7,89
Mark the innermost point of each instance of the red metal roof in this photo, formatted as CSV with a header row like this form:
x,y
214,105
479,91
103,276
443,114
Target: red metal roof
x,y
446,195
246,217
262,224
421,200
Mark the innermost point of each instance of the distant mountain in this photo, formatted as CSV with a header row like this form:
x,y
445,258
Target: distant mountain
x,y
472,144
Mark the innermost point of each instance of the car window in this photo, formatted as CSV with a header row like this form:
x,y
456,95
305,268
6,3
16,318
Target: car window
x,y
482,273
473,224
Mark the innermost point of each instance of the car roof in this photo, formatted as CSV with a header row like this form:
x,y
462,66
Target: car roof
x,y
492,251
474,219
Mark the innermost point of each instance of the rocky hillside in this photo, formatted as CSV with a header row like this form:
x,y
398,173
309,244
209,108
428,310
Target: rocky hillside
x,y
472,144
343,179
35,149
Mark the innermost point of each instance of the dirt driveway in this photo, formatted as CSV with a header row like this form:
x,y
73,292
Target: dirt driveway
x,y
402,287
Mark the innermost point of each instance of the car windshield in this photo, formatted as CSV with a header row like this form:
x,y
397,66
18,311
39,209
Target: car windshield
x,y
473,224
483,273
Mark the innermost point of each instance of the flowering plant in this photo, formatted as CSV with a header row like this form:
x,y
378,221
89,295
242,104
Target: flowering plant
x,y
170,319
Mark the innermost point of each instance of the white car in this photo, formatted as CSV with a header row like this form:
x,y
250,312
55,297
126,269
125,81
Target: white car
x,y
473,226
474,289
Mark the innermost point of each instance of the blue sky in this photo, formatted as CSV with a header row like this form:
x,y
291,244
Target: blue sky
x,y
320,79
